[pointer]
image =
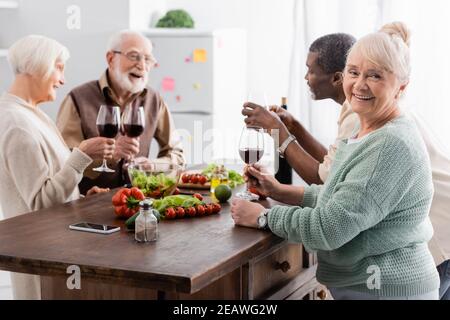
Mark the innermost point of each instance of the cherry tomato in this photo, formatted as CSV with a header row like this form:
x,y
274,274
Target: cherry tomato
x,y
176,191
208,209
202,179
180,212
255,191
155,194
200,210
185,178
216,208
194,179
198,196
170,213
191,212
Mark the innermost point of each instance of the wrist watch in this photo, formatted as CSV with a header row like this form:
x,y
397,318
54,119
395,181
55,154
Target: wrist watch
x,y
285,144
263,222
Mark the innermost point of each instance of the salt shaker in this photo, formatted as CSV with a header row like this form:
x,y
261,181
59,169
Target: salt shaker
x,y
146,225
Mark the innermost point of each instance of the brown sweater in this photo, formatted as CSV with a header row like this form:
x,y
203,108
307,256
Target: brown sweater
x,y
77,122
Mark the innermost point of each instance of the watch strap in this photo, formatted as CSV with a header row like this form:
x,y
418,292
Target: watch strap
x,y
285,144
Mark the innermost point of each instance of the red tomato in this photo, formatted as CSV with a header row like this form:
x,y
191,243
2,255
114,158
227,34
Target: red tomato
x,y
180,212
200,210
155,194
208,209
194,179
202,179
170,213
191,212
216,208
185,178
255,191
198,196
176,191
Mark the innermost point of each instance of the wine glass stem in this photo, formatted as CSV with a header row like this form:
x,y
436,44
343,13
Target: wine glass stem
x,y
131,161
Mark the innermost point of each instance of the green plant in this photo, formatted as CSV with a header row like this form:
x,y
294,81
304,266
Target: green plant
x,y
176,19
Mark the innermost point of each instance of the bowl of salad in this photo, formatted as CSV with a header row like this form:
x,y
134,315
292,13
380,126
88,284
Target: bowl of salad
x,y
156,180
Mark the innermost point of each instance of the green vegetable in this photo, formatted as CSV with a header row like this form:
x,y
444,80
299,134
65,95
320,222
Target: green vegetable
x,y
176,19
148,184
209,169
130,222
175,201
234,178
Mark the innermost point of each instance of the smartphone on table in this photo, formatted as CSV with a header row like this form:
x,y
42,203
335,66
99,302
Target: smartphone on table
x,y
94,227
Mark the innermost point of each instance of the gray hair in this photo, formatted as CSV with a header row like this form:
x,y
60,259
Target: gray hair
x,y
332,51
116,40
388,49
36,55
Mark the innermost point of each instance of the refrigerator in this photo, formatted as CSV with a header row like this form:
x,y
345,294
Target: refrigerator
x,y
202,77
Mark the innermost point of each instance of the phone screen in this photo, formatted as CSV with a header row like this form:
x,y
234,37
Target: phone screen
x,y
94,226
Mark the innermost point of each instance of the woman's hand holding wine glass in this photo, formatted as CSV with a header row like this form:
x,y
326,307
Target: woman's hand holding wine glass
x,y
259,178
108,124
98,148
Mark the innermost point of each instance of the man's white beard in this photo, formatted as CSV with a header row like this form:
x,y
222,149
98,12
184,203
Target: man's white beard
x,y
125,83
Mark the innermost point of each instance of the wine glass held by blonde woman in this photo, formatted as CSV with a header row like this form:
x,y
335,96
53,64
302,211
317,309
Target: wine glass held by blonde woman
x,y
37,169
371,215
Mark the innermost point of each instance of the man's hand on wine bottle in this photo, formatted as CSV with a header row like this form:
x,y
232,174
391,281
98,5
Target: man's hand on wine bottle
x,y
126,148
284,116
260,117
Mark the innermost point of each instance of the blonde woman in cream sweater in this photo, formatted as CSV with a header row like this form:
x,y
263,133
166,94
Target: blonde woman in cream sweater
x,y
37,169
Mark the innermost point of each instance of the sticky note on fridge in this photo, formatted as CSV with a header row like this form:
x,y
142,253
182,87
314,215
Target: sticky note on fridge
x,y
168,84
200,55
197,86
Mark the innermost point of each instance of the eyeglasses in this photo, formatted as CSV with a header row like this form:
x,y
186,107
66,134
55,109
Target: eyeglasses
x,y
136,57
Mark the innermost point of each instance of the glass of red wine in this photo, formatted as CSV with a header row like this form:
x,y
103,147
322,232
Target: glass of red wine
x,y
251,150
108,124
133,122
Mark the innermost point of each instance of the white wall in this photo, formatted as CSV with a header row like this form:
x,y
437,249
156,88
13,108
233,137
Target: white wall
x,y
268,27
87,46
269,34
145,13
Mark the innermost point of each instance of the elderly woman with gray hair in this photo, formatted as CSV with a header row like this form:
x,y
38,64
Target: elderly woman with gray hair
x,y
369,222
37,169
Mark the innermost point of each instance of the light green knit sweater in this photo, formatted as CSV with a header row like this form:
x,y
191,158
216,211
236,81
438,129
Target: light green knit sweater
x,y
371,216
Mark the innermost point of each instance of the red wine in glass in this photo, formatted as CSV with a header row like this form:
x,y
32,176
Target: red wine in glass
x,y
133,130
108,124
251,155
108,130
251,150
133,123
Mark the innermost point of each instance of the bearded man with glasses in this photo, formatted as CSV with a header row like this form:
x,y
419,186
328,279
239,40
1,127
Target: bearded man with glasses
x,y
130,60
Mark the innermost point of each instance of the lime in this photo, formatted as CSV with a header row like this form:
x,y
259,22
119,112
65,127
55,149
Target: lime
x,y
222,192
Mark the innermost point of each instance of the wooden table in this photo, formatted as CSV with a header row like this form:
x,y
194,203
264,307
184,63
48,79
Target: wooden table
x,y
194,258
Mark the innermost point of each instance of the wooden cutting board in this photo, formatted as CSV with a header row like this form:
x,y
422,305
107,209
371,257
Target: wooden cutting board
x,y
199,186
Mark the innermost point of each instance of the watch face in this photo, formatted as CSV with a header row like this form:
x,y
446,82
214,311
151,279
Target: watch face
x,y
262,221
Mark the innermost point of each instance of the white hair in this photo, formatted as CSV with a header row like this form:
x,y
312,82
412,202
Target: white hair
x,y
116,40
387,49
36,55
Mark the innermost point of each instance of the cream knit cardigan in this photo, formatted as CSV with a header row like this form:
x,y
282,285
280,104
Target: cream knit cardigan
x,y
37,170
